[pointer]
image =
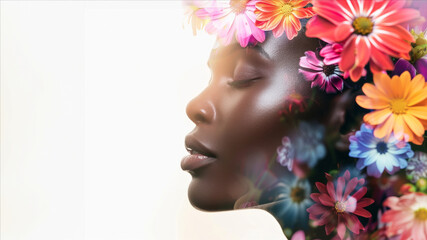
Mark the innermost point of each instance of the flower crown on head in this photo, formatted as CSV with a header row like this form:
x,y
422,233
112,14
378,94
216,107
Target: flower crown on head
x,y
377,40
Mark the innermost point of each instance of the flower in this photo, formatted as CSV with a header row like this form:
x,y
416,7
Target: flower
x,y
419,52
378,154
370,31
294,103
285,153
338,205
292,195
407,216
403,65
308,143
399,104
326,77
299,235
282,15
331,53
234,18
417,166
196,14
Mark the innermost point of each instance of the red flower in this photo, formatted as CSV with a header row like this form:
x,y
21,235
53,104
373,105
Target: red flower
x,y
370,31
337,207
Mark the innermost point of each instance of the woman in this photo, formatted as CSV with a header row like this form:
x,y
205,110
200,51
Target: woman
x,y
275,125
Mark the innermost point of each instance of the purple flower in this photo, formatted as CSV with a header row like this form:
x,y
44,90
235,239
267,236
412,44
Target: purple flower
x,y
421,66
403,65
327,77
417,166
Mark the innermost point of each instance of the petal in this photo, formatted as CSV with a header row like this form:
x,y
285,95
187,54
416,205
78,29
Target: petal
x,y
398,129
363,51
342,32
374,92
421,66
360,193
382,82
318,27
377,117
364,202
371,103
385,128
414,124
347,55
398,17
418,111
381,60
363,213
403,65
303,12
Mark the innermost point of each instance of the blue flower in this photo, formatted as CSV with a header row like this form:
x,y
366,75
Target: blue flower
x,y
379,154
285,153
308,143
291,196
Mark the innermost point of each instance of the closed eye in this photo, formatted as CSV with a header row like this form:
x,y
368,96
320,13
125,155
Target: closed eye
x,y
242,83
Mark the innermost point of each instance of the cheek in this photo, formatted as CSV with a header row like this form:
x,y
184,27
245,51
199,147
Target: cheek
x,y
251,126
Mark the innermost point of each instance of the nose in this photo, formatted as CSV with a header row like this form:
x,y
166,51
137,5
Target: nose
x,y
201,109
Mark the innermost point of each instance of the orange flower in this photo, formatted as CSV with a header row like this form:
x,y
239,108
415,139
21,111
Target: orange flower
x,y
399,104
282,15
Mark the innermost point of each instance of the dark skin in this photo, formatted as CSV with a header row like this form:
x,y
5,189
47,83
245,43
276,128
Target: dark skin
x,y
237,119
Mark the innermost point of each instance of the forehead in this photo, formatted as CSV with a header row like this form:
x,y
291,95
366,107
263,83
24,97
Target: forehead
x,y
275,49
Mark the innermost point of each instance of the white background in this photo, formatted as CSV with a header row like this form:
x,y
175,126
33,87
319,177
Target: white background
x,y
93,99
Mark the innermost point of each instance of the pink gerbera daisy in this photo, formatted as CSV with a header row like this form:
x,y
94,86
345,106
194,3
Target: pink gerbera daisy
x,y
407,216
337,207
370,31
234,18
327,77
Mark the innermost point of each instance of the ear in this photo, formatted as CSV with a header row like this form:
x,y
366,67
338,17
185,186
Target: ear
x,y
341,121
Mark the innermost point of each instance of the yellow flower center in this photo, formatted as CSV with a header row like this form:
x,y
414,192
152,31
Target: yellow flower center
x,y
363,25
340,207
238,6
286,9
398,106
297,194
421,214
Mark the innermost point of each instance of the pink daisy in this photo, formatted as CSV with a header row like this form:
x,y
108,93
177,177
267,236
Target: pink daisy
x,y
370,31
234,18
327,77
337,207
331,53
193,10
407,216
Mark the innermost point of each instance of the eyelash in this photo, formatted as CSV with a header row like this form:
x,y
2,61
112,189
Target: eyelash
x,y
242,83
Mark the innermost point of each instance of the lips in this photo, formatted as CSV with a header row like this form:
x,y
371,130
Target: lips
x,y
200,155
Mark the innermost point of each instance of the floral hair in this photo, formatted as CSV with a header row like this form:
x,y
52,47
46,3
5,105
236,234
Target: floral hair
x,y
380,44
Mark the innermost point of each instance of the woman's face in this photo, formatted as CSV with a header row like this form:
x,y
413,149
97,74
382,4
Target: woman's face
x,y
238,127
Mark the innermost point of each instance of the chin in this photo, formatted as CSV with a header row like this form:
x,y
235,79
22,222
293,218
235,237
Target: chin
x,y
206,196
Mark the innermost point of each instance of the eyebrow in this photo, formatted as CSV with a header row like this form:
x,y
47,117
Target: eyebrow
x,y
236,46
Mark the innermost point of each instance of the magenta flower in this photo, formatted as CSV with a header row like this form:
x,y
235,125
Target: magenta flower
x,y
332,53
234,18
337,206
327,77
